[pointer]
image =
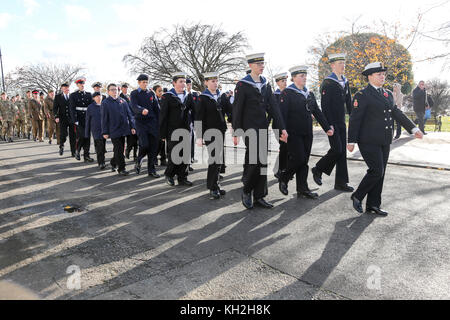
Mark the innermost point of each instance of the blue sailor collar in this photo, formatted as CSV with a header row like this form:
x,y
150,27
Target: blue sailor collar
x,y
208,94
278,91
175,94
248,79
304,92
140,90
334,77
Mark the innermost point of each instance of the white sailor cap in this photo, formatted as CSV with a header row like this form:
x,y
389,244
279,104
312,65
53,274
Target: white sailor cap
x,y
281,76
97,84
297,70
211,76
254,58
336,57
179,75
373,68
80,79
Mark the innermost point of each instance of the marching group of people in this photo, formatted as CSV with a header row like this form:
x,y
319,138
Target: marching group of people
x,y
148,122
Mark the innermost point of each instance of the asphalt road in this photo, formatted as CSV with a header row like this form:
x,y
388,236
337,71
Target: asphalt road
x,y
137,238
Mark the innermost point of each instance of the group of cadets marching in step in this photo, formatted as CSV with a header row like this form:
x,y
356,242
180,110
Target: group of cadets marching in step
x,y
147,119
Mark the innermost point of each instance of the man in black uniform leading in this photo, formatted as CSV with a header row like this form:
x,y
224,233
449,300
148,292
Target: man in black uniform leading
x,y
336,100
253,100
371,123
79,102
61,110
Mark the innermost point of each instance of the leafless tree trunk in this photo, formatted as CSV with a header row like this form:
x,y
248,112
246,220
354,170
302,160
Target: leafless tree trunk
x,y
194,49
43,77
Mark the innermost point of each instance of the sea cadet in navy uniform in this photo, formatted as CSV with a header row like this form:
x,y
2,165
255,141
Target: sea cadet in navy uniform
x,y
97,86
79,102
210,114
253,100
281,80
336,101
193,95
297,104
117,122
175,108
370,126
144,105
132,139
94,126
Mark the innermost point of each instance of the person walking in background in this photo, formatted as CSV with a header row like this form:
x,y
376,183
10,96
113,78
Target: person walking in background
x,y
398,101
158,90
419,104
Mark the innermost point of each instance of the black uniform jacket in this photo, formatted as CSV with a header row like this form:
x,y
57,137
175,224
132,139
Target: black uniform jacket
x,y
210,112
174,113
251,106
61,108
335,102
297,107
79,102
373,117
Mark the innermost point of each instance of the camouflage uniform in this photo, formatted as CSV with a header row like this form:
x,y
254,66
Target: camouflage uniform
x,y
28,122
37,115
20,118
8,117
49,115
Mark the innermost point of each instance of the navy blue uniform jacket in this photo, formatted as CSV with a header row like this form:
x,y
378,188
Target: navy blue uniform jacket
x,y
117,120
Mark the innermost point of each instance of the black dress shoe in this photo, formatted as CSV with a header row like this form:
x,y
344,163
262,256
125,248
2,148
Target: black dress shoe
x,y
102,167
170,181
113,168
221,178
154,175
308,194
377,211
317,176
278,175
344,187
222,192
77,156
88,159
247,200
190,168
263,204
123,173
214,195
137,167
283,187
357,204
185,182
61,151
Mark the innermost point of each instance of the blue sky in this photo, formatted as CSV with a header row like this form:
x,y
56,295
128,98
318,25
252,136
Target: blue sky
x,y
97,34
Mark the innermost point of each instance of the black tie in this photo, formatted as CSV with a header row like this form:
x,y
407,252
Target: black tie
x,y
380,90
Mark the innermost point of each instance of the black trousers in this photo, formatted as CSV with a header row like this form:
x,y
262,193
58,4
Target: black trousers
x,y
192,145
119,159
148,146
216,162
299,151
162,150
67,129
282,158
421,120
336,156
172,170
100,150
132,144
376,158
254,177
82,141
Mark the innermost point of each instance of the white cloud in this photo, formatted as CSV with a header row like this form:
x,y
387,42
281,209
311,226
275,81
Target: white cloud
x,y
43,34
77,14
5,19
30,6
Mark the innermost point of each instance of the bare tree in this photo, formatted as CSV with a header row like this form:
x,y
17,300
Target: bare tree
x,y
43,76
439,91
194,49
